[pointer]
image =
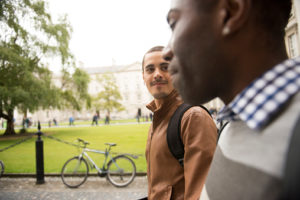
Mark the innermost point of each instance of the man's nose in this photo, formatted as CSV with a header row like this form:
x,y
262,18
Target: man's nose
x,y
167,53
157,74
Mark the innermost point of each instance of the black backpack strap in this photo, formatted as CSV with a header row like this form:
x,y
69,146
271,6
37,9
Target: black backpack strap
x,y
291,180
145,198
204,108
221,129
174,132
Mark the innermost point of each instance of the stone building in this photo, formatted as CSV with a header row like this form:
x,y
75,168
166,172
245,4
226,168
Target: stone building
x,y
131,86
292,39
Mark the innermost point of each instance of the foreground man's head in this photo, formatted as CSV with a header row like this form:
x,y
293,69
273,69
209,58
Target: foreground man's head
x,y
218,47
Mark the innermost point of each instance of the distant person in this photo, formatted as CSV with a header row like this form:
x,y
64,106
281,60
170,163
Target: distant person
x,y
55,122
138,114
167,178
71,121
235,50
27,122
95,120
98,114
147,118
107,118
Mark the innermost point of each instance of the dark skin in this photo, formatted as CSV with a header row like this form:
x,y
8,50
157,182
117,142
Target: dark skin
x,y
215,62
251,58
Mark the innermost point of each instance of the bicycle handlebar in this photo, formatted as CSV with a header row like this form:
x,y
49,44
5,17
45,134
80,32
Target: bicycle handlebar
x,y
82,141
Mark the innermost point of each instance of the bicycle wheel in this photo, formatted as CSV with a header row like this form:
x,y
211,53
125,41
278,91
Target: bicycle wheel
x,y
1,168
121,171
74,172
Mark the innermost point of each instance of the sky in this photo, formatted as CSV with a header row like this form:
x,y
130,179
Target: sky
x,y
107,32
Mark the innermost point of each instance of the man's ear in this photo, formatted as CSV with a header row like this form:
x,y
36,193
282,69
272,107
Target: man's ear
x,y
233,14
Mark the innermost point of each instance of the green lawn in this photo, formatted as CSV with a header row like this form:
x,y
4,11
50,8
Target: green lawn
x,y
21,158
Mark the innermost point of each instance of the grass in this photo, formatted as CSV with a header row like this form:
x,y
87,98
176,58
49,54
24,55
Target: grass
x,y
21,158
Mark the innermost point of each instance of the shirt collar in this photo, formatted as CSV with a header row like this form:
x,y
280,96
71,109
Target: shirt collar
x,y
265,96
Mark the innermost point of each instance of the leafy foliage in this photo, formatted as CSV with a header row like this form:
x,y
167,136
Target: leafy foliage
x,y
108,99
28,37
75,90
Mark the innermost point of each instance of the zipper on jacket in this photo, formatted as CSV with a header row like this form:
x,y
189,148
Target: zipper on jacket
x,y
149,161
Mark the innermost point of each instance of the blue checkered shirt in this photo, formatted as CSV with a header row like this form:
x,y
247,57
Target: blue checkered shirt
x,y
265,96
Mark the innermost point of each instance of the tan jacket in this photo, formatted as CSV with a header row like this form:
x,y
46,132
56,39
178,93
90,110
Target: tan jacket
x,y
166,178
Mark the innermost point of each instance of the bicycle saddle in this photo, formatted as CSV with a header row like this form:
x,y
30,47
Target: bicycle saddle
x,y
111,144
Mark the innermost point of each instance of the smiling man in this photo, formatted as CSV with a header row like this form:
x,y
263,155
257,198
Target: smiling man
x,y
235,50
167,179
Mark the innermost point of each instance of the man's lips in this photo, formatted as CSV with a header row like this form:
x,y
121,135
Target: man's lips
x,y
158,83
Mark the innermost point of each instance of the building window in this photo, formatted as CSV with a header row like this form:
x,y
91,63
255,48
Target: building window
x,y
293,45
139,96
126,96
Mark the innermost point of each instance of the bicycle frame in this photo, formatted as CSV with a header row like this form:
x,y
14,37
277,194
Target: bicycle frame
x,y
91,161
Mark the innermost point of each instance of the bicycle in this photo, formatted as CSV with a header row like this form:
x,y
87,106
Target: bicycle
x,y
120,170
1,168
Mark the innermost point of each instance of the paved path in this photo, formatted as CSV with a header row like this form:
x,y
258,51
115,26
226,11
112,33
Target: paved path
x,y
94,188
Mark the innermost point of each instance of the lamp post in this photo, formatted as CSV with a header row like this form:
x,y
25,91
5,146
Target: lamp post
x,y
39,152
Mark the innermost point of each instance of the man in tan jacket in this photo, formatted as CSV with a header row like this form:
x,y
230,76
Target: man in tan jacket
x,y
167,179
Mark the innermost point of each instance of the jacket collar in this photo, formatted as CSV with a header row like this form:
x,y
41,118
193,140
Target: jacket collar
x,y
171,99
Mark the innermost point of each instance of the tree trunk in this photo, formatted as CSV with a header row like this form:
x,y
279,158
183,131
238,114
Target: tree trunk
x,y
23,129
10,127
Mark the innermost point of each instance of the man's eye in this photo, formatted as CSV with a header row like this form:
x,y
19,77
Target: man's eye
x,y
172,25
149,69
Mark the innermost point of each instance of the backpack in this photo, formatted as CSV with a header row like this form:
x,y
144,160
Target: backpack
x,y
174,140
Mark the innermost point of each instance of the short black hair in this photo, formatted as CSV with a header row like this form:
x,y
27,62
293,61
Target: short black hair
x,y
153,49
272,15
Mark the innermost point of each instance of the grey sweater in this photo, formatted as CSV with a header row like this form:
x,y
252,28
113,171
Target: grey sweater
x,y
249,164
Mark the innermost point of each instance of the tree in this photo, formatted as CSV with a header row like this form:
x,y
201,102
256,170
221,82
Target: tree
x,y
28,37
74,90
108,99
